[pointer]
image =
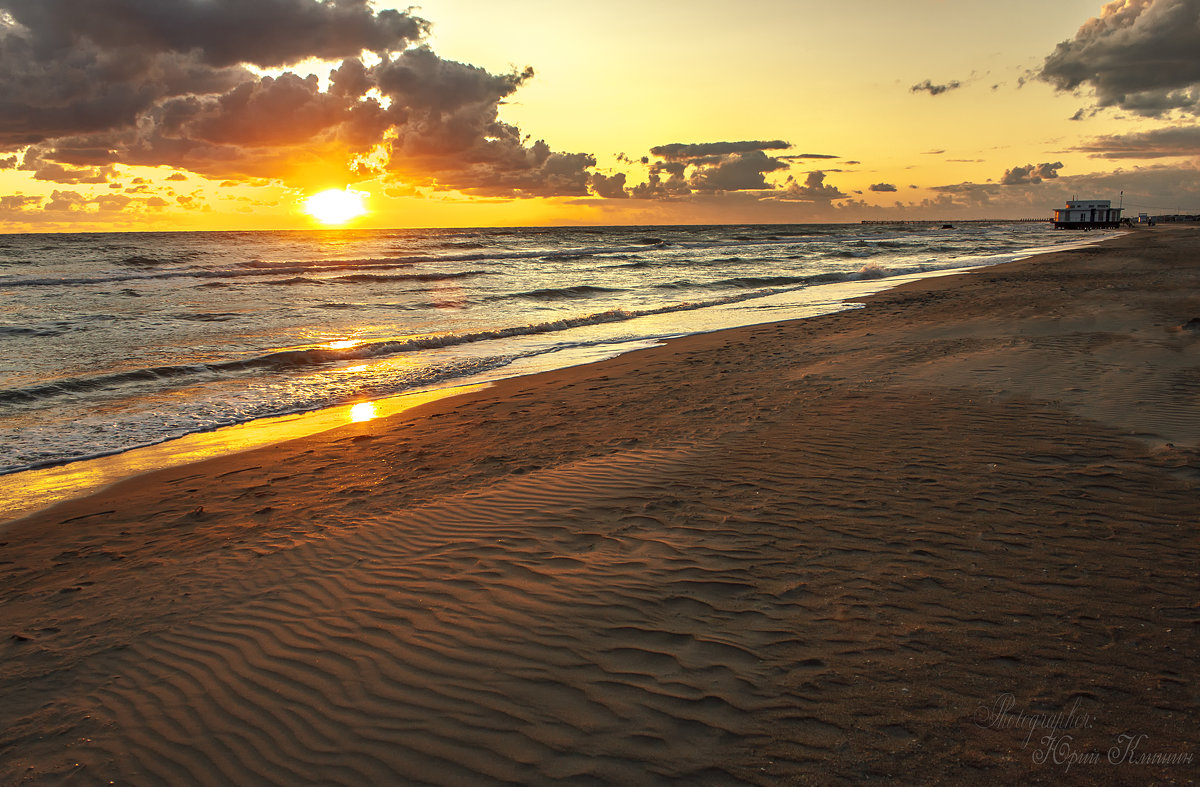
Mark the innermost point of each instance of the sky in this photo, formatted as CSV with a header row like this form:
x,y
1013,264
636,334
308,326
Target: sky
x,y
231,114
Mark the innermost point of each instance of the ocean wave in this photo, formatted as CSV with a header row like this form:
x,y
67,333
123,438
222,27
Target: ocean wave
x,y
291,281
748,282
149,267
359,278
139,261
568,256
756,282
317,356
17,330
691,264
361,262
232,274
32,455
461,245
208,316
560,293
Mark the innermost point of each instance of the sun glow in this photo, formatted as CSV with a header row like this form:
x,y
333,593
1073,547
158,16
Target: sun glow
x,y
335,206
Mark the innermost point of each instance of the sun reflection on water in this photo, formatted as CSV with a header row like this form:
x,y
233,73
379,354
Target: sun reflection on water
x,y
363,411
26,492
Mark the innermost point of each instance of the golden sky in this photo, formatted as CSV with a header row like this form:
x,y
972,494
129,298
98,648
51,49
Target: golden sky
x,y
227,114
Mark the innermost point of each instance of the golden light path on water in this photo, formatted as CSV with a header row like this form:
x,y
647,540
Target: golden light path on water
x,y
364,411
24,493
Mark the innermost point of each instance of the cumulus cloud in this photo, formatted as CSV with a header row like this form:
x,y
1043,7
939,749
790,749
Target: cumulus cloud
x,y
168,82
814,189
1157,143
679,151
609,186
18,202
1144,187
737,172
66,201
1030,173
664,181
112,202
933,89
883,187
1139,55
710,167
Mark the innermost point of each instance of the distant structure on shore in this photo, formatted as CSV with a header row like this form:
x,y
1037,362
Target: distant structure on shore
x,y
1086,214
944,225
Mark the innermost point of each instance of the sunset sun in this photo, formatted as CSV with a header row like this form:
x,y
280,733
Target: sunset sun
x,y
335,206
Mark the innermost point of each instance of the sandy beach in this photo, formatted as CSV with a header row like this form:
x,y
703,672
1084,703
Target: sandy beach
x,y
948,537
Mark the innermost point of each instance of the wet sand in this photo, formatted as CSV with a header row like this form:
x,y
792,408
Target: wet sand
x,y
949,537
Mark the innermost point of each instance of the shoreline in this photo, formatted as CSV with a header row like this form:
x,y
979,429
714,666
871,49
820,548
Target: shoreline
x,y
26,492
812,550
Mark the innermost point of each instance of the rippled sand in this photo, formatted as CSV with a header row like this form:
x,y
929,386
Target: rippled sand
x,y
846,548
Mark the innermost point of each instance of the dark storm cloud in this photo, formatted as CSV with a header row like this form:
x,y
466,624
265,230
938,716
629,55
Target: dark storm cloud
x,y
87,90
420,80
1030,173
263,112
677,151
1140,55
220,32
1158,143
91,83
84,66
934,90
447,131
882,187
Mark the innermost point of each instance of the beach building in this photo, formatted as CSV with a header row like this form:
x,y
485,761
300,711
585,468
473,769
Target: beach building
x,y
1085,214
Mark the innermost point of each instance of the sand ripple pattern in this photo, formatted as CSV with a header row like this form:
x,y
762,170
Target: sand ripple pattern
x,y
579,639
713,615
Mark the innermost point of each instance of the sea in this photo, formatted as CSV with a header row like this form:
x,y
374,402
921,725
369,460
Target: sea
x,y
109,342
